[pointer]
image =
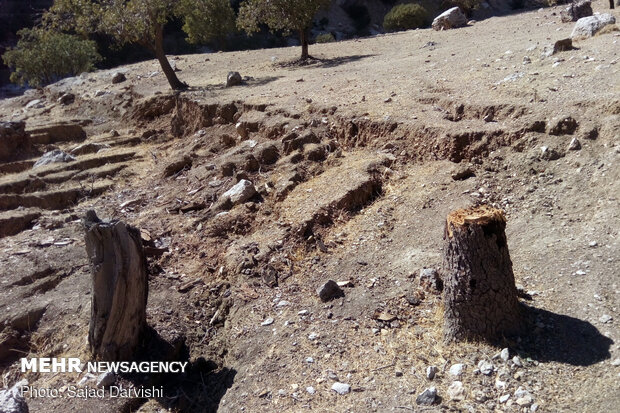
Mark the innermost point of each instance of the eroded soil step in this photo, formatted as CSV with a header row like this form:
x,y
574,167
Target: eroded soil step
x,y
346,187
54,200
14,222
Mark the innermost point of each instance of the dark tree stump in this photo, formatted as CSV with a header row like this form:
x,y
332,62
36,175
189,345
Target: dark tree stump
x,y
119,288
480,297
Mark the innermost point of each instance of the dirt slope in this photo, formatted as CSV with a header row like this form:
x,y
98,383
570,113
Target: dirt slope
x,y
356,160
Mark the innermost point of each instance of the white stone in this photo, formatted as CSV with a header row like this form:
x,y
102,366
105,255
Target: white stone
x,y
450,19
310,390
589,26
485,367
240,192
267,322
456,369
456,391
505,354
341,388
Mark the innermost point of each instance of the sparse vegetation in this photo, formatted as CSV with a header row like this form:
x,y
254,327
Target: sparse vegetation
x,y
42,57
142,22
325,38
405,17
281,15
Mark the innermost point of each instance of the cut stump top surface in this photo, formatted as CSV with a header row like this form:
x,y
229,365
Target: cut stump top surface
x,y
480,215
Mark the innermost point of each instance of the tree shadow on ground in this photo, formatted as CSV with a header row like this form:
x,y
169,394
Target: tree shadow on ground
x,y
247,81
199,389
563,339
312,61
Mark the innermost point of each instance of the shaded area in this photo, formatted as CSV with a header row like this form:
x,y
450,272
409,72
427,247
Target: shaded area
x,y
247,81
323,63
199,389
563,339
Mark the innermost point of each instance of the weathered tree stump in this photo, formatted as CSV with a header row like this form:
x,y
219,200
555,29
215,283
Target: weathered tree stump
x,y
119,288
480,297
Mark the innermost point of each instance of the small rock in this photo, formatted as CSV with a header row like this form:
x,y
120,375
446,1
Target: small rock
x,y
55,156
431,371
267,322
526,60
99,93
118,77
233,79
574,145
240,192
504,398
525,401
310,390
463,173
341,388
309,360
329,291
303,312
313,336
242,130
456,369
456,391
534,407
549,154
35,104
616,362
485,367
282,303
427,397
517,361
66,99
593,244
177,165
605,318
505,354
563,45
106,379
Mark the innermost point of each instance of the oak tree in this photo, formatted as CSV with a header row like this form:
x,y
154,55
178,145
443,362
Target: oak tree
x,y
134,21
284,15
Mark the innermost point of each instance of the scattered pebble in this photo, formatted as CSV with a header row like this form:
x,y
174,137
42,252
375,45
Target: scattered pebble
x,y
456,369
605,318
505,354
427,397
431,371
485,367
267,322
310,390
456,391
309,360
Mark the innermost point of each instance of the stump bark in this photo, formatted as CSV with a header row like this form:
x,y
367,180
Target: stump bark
x,y
119,288
480,296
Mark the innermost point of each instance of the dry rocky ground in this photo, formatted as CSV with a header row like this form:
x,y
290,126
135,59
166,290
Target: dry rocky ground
x,y
356,159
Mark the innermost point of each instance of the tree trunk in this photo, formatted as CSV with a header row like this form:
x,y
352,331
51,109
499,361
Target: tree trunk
x,y
173,80
119,288
303,37
480,297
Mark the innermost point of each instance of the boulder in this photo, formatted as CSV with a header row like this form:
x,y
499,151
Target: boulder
x,y
12,400
240,193
589,26
233,79
55,156
450,19
577,10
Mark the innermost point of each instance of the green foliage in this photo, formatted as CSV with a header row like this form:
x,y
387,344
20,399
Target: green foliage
x,y
285,15
207,20
405,17
43,56
325,38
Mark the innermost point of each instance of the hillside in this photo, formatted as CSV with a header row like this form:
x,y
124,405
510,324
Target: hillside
x,y
356,158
